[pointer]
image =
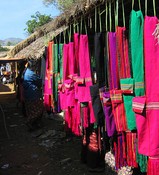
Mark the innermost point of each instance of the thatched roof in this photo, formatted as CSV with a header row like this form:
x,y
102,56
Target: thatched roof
x,y
3,54
34,45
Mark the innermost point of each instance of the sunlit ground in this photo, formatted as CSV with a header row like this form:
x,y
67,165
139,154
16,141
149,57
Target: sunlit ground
x,y
7,88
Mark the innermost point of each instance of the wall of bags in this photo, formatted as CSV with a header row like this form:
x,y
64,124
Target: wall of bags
x,y
105,79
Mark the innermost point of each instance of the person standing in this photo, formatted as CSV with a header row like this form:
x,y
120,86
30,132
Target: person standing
x,y
32,90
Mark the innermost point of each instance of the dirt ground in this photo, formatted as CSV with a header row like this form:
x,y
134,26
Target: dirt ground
x,y
45,152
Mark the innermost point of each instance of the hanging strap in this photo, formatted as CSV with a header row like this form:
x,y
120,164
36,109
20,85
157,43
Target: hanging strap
x,y
74,27
100,21
81,26
123,13
145,7
85,26
95,19
56,39
110,18
154,7
70,33
64,36
132,4
78,30
106,16
139,4
116,13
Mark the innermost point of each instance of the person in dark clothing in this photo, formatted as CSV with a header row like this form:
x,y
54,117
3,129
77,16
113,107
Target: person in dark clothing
x,y
32,90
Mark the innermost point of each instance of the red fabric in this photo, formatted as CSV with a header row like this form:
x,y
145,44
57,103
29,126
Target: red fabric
x,y
118,110
153,166
48,96
131,149
122,53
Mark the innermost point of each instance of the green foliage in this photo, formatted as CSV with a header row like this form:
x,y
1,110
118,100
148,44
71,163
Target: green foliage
x,y
9,43
61,4
3,49
36,21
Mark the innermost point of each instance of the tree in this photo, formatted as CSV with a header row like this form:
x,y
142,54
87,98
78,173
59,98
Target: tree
x,y
62,5
36,21
9,43
2,49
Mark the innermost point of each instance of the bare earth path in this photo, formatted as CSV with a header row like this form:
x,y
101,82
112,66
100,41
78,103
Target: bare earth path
x,y
45,152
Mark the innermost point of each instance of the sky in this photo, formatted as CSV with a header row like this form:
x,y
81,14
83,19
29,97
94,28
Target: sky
x,y
15,13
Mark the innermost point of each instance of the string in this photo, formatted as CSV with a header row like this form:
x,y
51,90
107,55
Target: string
x,y
145,7
81,26
106,16
85,26
64,35
110,19
139,4
123,13
132,4
95,19
154,7
100,21
116,13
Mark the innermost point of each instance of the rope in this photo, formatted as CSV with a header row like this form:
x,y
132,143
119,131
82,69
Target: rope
x,y
139,4
132,4
100,20
145,7
123,13
110,18
106,16
154,7
95,19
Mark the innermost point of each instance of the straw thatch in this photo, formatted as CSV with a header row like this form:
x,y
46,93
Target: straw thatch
x,y
3,54
34,45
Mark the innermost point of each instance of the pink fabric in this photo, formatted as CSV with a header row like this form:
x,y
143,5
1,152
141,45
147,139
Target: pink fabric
x,y
71,61
147,126
85,70
76,49
148,120
151,58
65,61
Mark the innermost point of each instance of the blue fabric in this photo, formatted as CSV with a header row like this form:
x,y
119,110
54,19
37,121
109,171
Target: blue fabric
x,y
32,85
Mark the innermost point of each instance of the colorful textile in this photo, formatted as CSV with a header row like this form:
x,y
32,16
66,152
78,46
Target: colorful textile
x,y
122,53
113,62
48,95
109,117
65,61
85,79
147,125
55,72
153,166
131,149
99,58
147,121
120,150
76,51
61,61
151,58
127,86
118,110
97,106
141,160
136,50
